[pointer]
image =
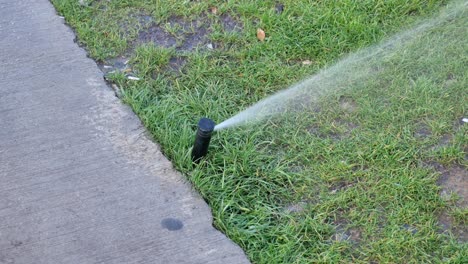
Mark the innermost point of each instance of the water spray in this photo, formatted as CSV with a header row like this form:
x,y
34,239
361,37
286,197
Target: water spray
x,y
351,72
202,139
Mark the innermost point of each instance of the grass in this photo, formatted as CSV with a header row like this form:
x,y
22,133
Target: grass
x,y
356,180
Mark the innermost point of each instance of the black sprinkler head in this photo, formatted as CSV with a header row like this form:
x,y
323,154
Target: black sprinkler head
x,y
202,139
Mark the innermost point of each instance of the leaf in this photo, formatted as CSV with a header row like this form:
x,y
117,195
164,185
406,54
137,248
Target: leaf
x,y
260,34
214,10
306,62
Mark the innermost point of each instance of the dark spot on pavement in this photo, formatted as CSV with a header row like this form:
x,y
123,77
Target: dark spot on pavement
x,y
172,224
16,243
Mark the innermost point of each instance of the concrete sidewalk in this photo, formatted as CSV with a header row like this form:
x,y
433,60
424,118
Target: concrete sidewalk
x,y
80,182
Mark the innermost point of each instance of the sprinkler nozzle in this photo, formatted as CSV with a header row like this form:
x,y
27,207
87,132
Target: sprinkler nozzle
x,y
202,139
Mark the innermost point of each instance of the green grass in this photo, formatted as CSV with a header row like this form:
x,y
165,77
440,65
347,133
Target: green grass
x,y
290,189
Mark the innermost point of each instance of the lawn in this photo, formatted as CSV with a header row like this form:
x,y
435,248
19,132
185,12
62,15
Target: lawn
x,y
375,172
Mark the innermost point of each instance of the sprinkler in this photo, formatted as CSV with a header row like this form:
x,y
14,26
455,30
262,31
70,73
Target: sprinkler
x,y
202,139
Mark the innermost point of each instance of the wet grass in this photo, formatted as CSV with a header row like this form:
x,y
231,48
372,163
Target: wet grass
x,y
367,175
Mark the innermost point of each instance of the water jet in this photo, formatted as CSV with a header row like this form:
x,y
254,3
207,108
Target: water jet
x,y
352,72
202,139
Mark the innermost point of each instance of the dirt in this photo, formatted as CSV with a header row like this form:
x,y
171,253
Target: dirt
x,y
443,142
230,24
448,224
454,180
422,131
341,185
115,64
279,8
348,104
157,35
346,127
188,35
144,20
340,130
450,80
199,38
296,207
177,63
413,230
345,233
296,168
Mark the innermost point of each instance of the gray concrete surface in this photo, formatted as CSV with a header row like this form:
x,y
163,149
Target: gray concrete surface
x,y
80,182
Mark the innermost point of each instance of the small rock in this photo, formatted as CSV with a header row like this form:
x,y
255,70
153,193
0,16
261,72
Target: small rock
x,y
214,10
465,120
107,67
209,46
133,78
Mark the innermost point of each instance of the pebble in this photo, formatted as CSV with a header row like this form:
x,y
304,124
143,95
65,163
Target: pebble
x,y
133,78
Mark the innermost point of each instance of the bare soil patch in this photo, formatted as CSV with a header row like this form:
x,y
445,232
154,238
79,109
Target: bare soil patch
x,y
157,35
422,131
454,180
183,35
343,232
230,24
447,223
348,104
